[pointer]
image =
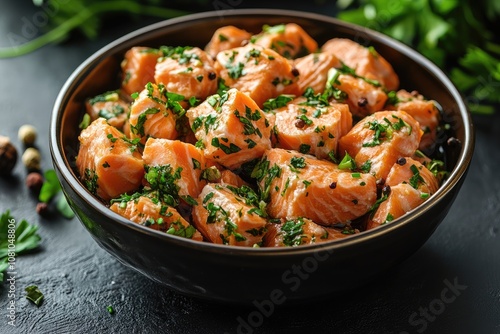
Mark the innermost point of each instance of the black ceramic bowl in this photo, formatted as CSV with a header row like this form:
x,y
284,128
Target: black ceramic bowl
x,y
242,275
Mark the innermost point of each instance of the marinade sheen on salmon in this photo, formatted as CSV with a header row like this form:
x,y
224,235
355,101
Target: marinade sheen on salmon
x,y
264,138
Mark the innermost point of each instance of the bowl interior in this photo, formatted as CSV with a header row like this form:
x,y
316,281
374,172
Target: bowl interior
x,y
101,73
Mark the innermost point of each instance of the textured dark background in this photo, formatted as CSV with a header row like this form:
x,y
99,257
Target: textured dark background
x,y
80,280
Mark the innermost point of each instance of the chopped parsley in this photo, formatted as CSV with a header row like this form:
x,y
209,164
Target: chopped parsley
x,y
278,102
293,232
304,148
416,179
163,179
232,148
111,96
347,162
90,180
138,128
235,71
34,294
178,229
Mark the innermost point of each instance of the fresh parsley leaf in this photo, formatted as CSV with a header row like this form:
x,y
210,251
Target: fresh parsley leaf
x,y
50,187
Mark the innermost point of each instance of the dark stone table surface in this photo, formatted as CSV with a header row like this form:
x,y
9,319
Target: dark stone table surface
x,y
451,285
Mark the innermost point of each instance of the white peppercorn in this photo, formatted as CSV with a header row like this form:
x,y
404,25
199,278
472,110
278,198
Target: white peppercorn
x,y
31,158
27,134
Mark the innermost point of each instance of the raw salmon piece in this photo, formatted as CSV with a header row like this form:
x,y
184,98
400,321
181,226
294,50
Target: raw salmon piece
x,y
298,185
408,170
379,140
186,71
299,231
225,38
257,71
402,199
424,111
229,178
108,163
311,129
109,105
363,98
177,154
366,61
289,40
143,210
313,70
408,184
231,128
149,115
224,217
138,68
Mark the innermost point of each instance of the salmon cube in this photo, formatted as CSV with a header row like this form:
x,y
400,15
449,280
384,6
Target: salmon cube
x,y
402,198
408,184
138,68
188,71
424,111
363,97
408,170
151,114
108,163
366,61
110,106
225,217
313,70
231,128
297,185
177,154
155,215
379,140
225,38
289,40
259,72
299,231
311,129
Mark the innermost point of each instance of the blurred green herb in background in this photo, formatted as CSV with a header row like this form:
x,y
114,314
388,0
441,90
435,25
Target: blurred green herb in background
x,y
458,36
87,17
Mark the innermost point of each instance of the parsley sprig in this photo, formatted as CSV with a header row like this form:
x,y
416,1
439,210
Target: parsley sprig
x,y
25,239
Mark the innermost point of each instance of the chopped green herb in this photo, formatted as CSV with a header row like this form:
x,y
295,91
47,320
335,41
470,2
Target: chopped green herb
x,y
210,174
298,162
34,294
278,102
196,163
232,148
292,231
178,229
366,166
138,128
111,96
85,122
235,71
304,148
347,162
416,179
51,185
305,119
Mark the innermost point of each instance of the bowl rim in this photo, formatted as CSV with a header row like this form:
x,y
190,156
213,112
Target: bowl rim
x,y
60,162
